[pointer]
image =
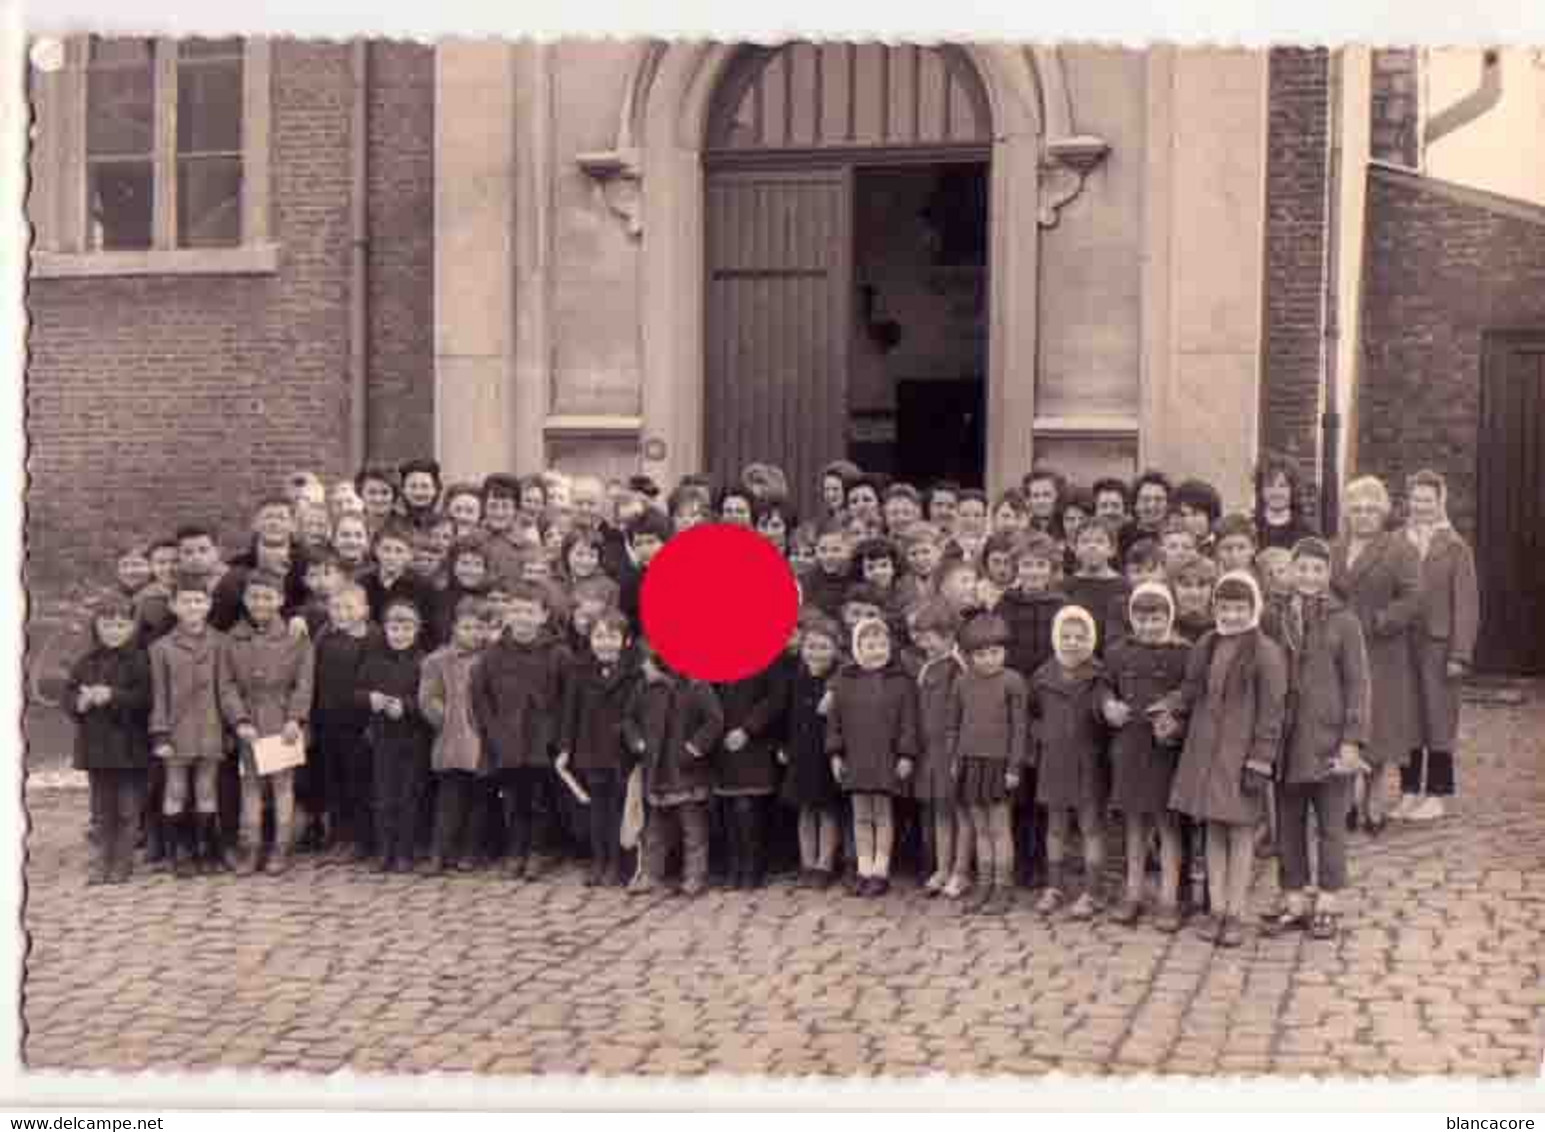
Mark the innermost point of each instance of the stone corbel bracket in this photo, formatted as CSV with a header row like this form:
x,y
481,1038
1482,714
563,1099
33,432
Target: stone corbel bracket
x,y
618,178
1067,162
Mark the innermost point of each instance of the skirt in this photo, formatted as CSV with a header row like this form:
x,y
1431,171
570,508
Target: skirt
x,y
982,781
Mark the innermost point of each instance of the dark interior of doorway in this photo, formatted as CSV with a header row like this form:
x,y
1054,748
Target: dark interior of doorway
x,y
917,384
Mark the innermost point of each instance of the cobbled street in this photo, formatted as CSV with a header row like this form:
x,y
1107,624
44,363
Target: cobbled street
x,y
1441,971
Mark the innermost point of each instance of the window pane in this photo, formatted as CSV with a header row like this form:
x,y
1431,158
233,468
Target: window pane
x,y
209,107
121,204
121,52
120,111
199,48
209,202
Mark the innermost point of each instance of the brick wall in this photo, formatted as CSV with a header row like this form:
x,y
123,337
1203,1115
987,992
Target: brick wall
x,y
1444,265
1296,171
160,400
1394,105
400,417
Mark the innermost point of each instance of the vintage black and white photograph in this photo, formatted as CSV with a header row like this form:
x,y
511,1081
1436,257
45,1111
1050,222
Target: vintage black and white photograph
x,y
656,558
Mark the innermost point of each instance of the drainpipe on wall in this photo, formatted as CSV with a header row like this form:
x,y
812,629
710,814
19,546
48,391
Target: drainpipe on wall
x,y
359,264
1467,109
1330,420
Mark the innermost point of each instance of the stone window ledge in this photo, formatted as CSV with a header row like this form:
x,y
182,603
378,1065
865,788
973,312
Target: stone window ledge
x,y
252,259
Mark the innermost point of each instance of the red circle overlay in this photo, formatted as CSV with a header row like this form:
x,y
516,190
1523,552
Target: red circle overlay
x,y
718,602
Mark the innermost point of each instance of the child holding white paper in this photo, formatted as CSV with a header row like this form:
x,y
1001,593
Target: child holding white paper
x,y
265,691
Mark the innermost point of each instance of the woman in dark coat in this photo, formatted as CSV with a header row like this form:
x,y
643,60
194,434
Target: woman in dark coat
x,y
1442,643
1376,571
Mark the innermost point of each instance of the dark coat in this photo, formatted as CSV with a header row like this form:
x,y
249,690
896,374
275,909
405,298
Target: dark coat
x,y
758,705
1069,735
824,591
1381,588
113,736
672,725
1106,601
872,726
931,779
1029,617
1285,536
406,587
185,673
394,672
1234,717
1142,768
1329,697
516,700
1445,630
808,780
595,701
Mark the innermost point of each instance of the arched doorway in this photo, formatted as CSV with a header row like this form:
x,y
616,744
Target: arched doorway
x,y
654,178
845,271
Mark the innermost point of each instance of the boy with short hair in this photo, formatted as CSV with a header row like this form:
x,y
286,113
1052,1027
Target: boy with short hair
x,y
825,586
1144,562
393,580
501,546
1178,543
397,734
647,533
922,546
1096,586
1192,587
186,732
515,691
1234,543
266,687
338,763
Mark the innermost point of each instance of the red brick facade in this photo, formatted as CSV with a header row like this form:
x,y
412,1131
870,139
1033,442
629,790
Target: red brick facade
x,y
1444,266
1296,170
159,400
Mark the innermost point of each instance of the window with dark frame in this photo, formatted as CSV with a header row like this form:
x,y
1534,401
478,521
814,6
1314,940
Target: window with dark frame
x,y
164,143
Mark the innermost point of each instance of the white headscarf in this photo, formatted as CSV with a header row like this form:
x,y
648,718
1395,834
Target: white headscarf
x,y
1073,613
1255,590
863,627
1159,590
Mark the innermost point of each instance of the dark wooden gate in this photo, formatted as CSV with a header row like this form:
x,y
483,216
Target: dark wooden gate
x,y
1510,537
778,244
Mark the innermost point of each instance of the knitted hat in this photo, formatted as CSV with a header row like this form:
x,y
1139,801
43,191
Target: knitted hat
x,y
1148,594
1312,547
983,632
867,627
1240,585
1073,613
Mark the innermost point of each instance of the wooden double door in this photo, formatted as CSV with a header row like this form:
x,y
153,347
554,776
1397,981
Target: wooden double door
x,y
1510,534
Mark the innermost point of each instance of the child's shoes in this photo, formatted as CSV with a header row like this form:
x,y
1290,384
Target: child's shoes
x,y
935,884
1127,912
1084,908
1168,919
1051,900
956,887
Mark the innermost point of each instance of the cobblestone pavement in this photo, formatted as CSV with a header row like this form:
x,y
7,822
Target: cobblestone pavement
x,y
1442,969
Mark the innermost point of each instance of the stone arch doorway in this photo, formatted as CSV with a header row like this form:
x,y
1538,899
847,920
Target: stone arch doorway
x,y
655,178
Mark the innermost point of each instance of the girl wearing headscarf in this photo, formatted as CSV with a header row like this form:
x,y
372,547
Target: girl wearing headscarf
x,y
1232,704
1146,669
1067,699
1442,643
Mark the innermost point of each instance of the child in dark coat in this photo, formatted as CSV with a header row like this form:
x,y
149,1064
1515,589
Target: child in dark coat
x,y
935,627
1067,699
398,735
1096,585
872,738
1327,727
987,744
1232,705
808,784
825,587
108,696
516,700
745,766
672,724
595,698
1028,609
1145,670
338,723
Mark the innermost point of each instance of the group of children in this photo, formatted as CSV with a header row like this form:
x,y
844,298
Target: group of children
x,y
396,661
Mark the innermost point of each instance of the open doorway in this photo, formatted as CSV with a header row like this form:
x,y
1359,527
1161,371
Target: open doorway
x,y
917,389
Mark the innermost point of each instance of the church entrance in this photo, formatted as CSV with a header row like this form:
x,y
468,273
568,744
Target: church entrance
x,y
846,238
